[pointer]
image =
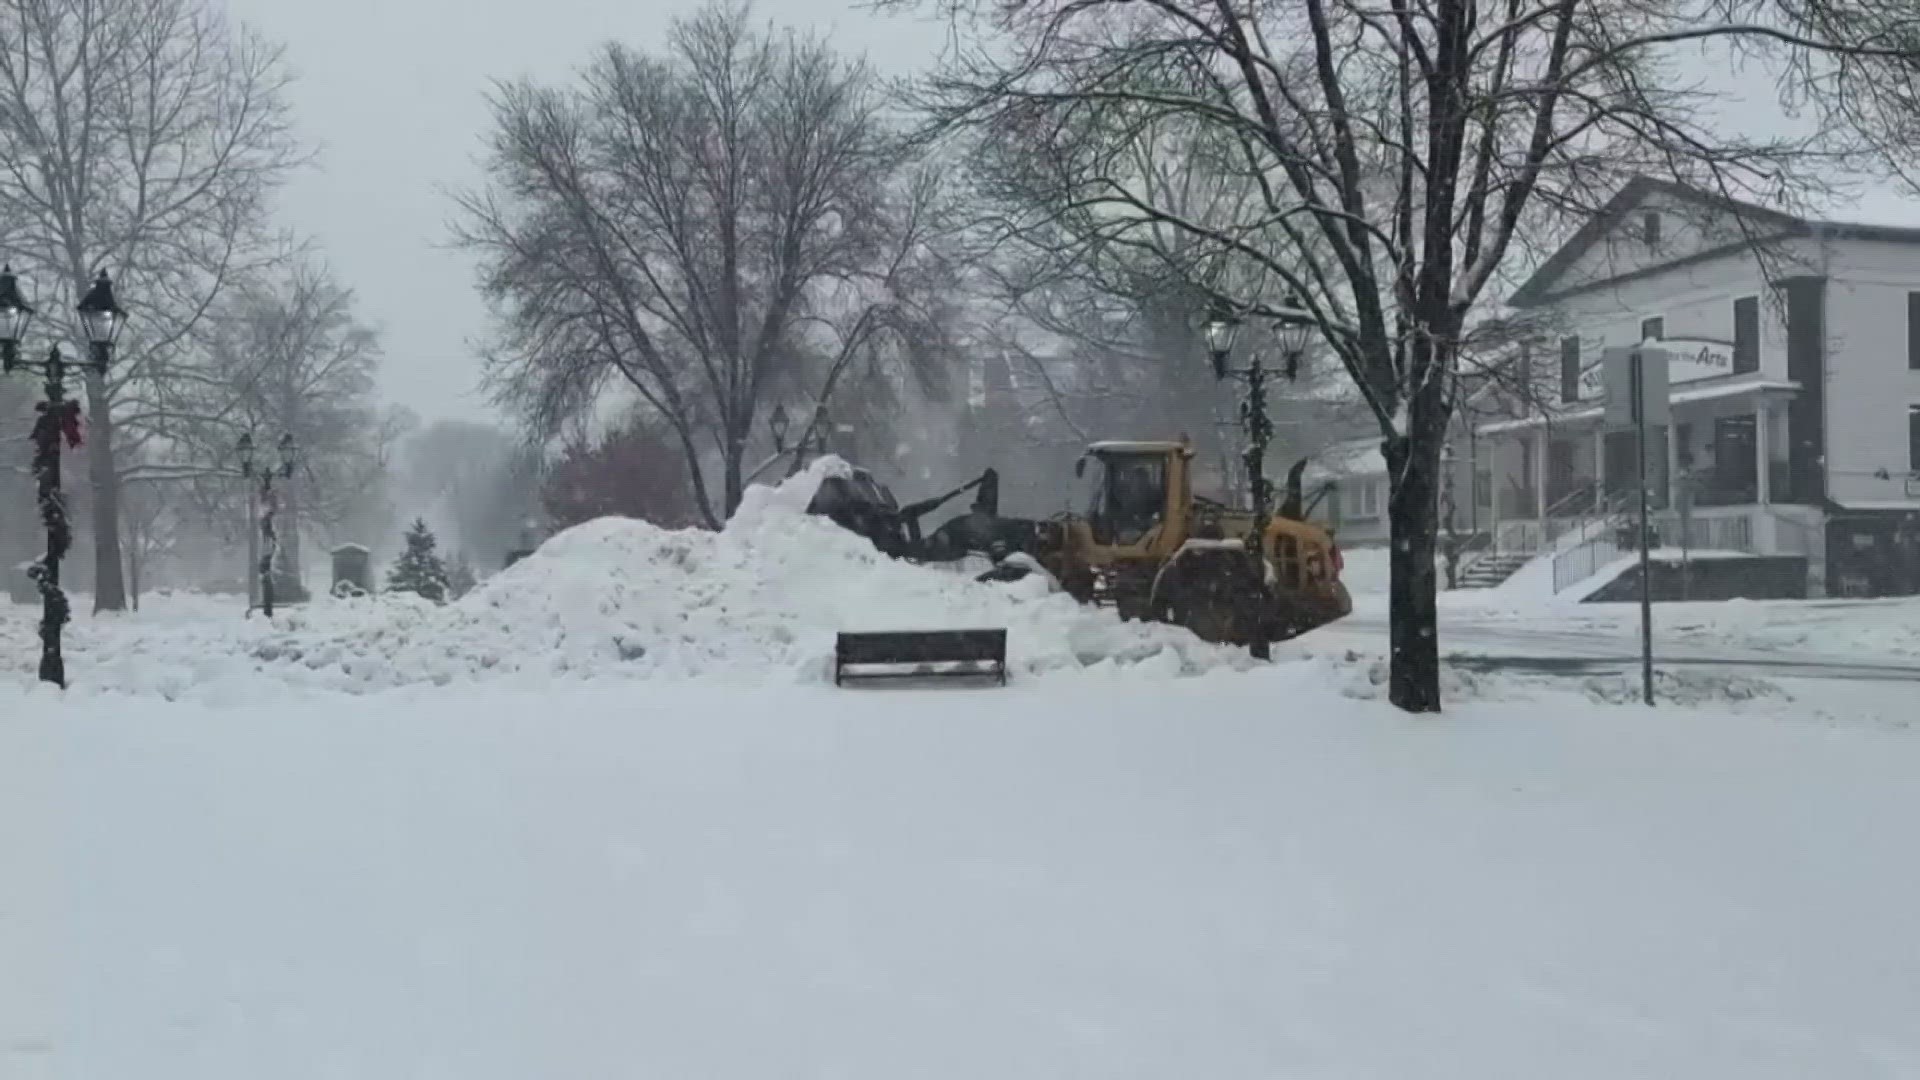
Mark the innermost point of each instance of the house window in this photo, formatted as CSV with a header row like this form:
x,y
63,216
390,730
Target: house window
x,y
1362,498
1651,227
1654,329
1913,438
1483,488
1913,331
1569,369
1746,334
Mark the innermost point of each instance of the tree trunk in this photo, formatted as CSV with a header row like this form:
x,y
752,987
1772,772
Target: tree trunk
x,y
133,573
252,575
1413,680
1413,519
735,485
109,581
690,453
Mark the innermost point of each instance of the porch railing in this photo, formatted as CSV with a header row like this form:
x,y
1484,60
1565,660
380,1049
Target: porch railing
x,y
1730,533
1598,545
1733,533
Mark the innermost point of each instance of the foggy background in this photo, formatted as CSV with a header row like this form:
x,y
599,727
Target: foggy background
x,y
359,323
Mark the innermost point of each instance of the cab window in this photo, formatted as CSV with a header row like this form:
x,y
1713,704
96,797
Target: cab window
x,y
1128,497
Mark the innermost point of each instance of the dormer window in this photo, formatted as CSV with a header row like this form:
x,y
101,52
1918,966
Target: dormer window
x,y
1650,227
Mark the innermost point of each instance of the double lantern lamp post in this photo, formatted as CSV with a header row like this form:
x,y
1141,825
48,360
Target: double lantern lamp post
x,y
269,503
58,417
1294,328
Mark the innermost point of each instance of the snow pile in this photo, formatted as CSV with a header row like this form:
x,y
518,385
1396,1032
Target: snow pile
x,y
1683,687
1364,680
759,601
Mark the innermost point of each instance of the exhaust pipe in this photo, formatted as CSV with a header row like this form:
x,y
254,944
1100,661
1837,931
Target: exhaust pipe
x,y
1291,507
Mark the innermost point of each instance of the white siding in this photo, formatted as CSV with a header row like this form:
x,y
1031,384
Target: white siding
x,y
1686,229
1869,386
1694,301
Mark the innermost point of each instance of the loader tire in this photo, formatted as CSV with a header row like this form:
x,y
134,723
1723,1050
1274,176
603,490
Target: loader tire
x,y
1213,594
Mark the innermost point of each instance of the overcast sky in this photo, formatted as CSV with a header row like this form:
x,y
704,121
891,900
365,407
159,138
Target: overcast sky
x,y
393,92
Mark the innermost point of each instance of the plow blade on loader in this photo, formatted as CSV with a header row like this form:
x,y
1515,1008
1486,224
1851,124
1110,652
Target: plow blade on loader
x,y
974,652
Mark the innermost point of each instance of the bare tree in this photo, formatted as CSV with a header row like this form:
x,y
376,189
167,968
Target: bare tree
x,y
1396,153
714,229
150,528
620,474
141,137
287,355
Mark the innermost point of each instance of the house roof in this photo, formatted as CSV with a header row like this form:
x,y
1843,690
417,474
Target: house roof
x,y
1539,288
1355,457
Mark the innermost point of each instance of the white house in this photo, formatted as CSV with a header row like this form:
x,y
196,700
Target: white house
x,y
1356,508
1794,387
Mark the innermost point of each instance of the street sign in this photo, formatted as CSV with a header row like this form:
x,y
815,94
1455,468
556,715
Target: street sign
x,y
1636,382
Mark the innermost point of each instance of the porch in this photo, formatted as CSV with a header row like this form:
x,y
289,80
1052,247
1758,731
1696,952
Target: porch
x,y
1725,467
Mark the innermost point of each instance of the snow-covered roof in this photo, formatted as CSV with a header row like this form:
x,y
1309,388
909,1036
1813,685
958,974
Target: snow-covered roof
x,y
350,547
1135,446
1355,457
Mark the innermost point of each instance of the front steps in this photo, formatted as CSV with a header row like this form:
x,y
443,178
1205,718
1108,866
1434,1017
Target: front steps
x,y
1488,571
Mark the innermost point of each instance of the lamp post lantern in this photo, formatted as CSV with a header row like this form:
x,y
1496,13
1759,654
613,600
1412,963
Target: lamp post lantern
x,y
57,418
102,318
1294,329
252,468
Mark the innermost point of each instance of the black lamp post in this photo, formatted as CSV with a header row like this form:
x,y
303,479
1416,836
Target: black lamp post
x,y
269,502
58,417
1294,327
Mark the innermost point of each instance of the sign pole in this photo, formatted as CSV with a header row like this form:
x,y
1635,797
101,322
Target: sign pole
x,y
1683,496
1638,391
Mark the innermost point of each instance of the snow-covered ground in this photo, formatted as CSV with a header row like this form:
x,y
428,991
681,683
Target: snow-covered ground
x,y
1235,876
604,818
1881,631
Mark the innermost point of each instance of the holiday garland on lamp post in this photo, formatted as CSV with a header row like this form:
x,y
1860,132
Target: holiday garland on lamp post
x,y
1221,328
58,418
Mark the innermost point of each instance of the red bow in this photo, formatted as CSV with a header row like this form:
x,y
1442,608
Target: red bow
x,y
70,424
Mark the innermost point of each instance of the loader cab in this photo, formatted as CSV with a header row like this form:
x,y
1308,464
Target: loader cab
x,y
1127,490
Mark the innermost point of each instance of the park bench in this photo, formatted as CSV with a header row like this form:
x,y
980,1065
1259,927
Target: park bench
x,y
979,652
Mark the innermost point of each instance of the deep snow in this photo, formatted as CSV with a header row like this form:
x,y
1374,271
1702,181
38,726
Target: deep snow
x,y
601,820
1234,876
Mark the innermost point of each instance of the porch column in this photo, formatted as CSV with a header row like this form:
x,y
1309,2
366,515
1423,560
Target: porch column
x,y
1762,487
1600,467
1540,475
1673,463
